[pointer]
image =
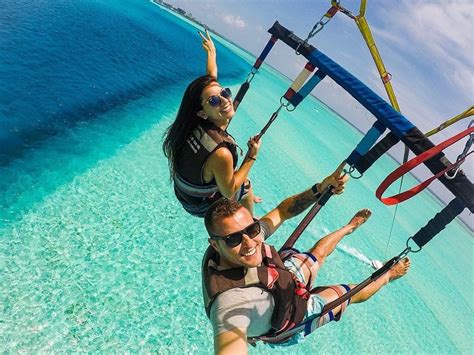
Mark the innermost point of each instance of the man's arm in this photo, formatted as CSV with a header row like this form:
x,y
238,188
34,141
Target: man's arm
x,y
294,205
231,342
208,45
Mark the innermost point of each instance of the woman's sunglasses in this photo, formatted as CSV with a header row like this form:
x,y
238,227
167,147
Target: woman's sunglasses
x,y
215,100
234,239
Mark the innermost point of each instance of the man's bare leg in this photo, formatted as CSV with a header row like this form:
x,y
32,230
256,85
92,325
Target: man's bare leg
x,y
399,270
325,246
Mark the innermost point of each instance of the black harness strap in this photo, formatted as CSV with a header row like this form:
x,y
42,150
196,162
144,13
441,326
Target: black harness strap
x,y
438,222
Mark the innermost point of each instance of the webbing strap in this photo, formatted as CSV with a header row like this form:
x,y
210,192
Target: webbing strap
x,y
292,93
194,190
390,140
240,94
299,81
438,222
331,12
405,168
261,58
307,219
365,162
366,143
307,88
273,117
265,52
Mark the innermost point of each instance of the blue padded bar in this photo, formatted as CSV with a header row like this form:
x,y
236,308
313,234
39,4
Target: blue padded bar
x,y
391,118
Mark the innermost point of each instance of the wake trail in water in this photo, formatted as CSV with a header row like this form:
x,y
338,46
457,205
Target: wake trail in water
x,y
353,252
356,254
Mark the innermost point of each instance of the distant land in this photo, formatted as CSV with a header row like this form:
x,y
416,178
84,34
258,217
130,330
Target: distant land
x,y
183,13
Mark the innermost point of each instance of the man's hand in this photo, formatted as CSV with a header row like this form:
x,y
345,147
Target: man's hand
x,y
337,179
294,205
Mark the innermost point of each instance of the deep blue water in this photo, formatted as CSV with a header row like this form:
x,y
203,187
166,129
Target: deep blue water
x,y
64,63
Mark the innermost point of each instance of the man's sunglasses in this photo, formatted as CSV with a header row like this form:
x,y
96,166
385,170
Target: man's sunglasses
x,y
215,100
234,239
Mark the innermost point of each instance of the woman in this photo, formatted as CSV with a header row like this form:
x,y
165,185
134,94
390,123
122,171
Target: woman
x,y
202,156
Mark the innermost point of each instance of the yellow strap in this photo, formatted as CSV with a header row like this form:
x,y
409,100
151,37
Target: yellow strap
x,y
363,5
469,112
364,28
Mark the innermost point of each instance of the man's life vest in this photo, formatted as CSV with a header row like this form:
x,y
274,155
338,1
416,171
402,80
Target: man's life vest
x,y
290,296
190,188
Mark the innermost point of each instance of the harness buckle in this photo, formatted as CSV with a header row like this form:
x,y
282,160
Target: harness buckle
x,y
301,289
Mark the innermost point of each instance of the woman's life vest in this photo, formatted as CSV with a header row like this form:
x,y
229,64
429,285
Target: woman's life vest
x,y
189,186
290,296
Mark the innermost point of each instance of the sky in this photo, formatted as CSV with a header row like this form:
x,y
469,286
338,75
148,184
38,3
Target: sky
x,y
427,46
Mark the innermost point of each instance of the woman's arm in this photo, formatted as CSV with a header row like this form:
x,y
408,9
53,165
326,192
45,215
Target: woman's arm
x,y
220,164
208,45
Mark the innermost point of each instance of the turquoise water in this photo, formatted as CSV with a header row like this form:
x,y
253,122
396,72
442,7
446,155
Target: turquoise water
x,y
97,255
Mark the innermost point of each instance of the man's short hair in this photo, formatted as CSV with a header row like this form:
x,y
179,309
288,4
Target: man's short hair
x,y
222,208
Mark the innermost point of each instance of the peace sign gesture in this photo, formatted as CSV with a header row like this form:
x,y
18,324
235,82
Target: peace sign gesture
x,y
207,43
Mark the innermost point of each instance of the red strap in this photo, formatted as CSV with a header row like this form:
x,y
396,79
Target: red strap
x,y
409,165
332,11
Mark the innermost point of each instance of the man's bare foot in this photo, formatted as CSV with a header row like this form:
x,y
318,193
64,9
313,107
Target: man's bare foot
x,y
399,270
257,199
359,218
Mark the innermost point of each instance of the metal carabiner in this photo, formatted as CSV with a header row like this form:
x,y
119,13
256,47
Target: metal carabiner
x,y
461,156
250,77
287,107
315,29
305,42
404,252
410,250
451,177
282,103
350,172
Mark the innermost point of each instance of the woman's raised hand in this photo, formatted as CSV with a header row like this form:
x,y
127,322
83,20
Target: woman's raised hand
x,y
207,43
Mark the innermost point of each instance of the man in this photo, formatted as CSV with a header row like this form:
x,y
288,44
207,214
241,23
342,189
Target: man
x,y
250,291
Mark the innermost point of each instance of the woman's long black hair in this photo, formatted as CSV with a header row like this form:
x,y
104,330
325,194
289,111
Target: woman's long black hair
x,y
186,120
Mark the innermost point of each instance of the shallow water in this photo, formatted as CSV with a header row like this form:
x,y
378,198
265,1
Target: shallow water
x,y
97,255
